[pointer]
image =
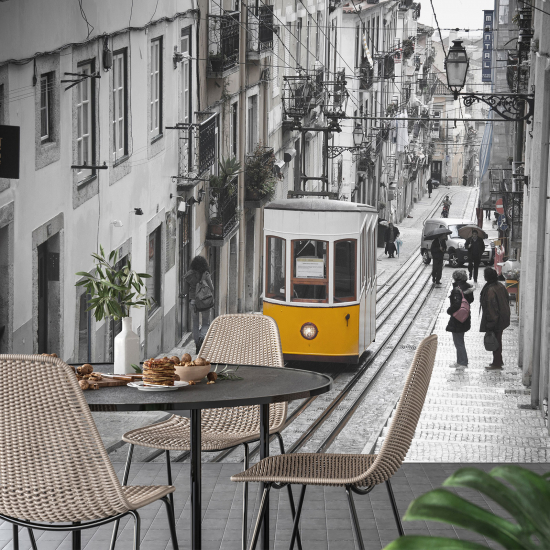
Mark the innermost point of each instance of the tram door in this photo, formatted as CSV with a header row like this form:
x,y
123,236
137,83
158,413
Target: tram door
x,y
184,219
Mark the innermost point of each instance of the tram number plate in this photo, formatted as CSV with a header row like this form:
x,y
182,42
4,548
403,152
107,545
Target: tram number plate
x,y
310,268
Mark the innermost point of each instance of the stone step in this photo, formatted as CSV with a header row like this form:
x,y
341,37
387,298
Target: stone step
x,y
483,427
432,451
481,410
483,438
486,393
496,418
506,401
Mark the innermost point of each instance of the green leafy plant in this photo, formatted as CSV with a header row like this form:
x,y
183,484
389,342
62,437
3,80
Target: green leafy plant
x,y
113,291
522,493
137,368
227,170
259,175
408,47
391,110
226,373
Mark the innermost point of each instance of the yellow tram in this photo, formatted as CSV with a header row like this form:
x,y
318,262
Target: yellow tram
x,y
320,277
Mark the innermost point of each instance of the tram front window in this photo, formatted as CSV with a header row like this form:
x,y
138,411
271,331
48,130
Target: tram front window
x,y
309,271
344,270
276,269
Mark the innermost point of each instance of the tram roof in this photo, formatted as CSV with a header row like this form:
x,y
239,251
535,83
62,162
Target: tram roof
x,y
319,205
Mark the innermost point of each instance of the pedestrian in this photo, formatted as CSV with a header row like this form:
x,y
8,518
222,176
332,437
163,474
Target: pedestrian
x,y
496,312
199,289
430,187
438,249
462,295
487,214
390,236
475,247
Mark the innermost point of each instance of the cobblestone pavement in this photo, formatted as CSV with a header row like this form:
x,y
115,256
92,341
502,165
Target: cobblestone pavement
x,y
474,415
325,523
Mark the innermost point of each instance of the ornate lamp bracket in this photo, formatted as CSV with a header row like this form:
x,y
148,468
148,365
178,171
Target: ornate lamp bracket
x,y
507,106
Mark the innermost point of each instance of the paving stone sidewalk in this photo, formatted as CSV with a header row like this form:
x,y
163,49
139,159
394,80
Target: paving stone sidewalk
x,y
476,415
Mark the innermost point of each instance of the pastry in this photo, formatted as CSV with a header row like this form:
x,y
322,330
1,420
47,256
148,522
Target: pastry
x,y
159,372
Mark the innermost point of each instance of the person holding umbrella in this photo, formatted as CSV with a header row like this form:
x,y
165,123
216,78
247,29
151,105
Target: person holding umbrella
x,y
390,236
438,249
430,187
474,245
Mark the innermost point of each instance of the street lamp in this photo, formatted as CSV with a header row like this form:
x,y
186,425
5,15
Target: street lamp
x,y
457,67
510,107
358,135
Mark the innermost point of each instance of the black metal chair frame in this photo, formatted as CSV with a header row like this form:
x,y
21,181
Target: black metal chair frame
x,y
77,527
245,489
355,520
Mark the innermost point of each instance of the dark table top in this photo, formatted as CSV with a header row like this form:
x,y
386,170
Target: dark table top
x,y
259,386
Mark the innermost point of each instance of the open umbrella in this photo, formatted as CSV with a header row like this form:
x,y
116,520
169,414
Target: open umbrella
x,y
465,232
384,223
437,233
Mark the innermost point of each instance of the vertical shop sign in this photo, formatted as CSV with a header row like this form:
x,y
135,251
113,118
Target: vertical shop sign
x,y
486,70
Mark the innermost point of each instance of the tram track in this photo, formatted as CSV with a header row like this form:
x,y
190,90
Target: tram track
x,y
409,273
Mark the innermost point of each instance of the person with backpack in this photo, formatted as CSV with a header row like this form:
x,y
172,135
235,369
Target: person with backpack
x,y
200,291
462,295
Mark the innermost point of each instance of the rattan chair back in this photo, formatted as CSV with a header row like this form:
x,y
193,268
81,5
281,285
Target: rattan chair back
x,y
53,464
246,339
401,432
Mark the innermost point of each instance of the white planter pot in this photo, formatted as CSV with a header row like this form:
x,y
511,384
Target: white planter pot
x,y
126,348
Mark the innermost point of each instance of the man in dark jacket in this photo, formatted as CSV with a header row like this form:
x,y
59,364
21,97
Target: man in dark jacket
x,y
438,249
430,187
496,312
461,290
475,247
390,236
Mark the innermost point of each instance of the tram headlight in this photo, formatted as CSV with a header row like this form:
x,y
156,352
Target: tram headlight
x,y
309,331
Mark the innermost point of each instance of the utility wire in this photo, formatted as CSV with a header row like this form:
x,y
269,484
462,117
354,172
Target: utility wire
x,y
438,29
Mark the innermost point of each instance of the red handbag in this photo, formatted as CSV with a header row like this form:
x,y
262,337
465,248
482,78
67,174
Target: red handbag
x,y
463,313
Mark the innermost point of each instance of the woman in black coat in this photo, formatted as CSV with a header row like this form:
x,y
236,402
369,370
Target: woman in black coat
x,y
461,289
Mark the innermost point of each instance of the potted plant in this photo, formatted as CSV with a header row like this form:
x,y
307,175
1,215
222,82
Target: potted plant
x,y
113,292
381,205
216,62
227,170
259,180
524,496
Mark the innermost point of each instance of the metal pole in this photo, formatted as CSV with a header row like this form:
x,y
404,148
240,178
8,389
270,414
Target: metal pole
x,y
195,480
242,150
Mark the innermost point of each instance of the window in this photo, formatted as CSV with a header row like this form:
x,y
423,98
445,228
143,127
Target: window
x,y
156,88
299,43
344,270
252,129
234,121
186,75
46,102
84,322
357,46
276,269
2,104
308,33
120,87
309,271
276,61
363,254
85,121
153,268
287,48
318,36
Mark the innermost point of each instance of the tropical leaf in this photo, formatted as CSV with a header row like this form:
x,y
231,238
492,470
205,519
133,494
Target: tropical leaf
x,y
419,542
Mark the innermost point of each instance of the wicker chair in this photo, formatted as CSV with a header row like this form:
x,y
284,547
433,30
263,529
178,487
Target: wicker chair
x,y
242,339
54,470
357,473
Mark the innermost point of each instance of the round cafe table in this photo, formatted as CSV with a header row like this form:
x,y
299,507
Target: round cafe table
x,y
259,386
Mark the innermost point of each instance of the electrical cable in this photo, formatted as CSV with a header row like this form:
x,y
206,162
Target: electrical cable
x,y
89,26
438,29
533,7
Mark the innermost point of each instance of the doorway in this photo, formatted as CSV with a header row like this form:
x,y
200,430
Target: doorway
x,y
49,296
184,222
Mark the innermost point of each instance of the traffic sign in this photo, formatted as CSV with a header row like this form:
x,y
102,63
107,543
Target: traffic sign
x,y
500,206
502,225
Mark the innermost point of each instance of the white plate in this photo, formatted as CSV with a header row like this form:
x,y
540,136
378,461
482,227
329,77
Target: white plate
x,y
142,387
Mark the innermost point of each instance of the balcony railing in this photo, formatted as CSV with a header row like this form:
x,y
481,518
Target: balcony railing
x,y
260,30
297,94
207,144
223,210
223,42
367,75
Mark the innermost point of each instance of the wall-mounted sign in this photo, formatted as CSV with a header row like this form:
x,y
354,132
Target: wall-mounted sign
x,y
487,58
9,152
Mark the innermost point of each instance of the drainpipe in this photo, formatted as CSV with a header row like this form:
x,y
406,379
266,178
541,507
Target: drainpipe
x,y
242,150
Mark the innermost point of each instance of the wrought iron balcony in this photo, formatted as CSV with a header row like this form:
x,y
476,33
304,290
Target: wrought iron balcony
x,y
297,95
223,44
223,211
261,30
318,82
386,66
207,143
367,75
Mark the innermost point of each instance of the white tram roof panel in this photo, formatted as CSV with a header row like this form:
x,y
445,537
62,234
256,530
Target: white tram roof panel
x,y
319,205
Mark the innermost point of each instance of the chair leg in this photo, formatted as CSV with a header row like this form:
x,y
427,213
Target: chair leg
x,y
245,499
33,540
124,482
295,530
169,480
354,519
15,536
171,522
77,536
289,489
395,510
137,529
260,517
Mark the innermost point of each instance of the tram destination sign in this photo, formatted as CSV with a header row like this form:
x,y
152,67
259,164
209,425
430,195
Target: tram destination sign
x,y
9,152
